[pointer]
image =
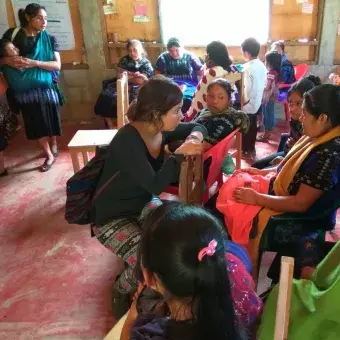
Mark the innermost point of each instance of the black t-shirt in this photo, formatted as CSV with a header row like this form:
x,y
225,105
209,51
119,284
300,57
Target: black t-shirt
x,y
138,176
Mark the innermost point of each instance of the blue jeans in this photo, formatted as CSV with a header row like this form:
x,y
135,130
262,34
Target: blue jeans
x,y
268,113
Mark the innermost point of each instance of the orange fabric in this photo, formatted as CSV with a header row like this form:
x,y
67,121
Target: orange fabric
x,y
239,216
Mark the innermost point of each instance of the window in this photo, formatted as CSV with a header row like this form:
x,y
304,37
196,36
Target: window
x,y
198,22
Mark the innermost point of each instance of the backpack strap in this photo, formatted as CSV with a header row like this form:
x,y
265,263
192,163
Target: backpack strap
x,y
15,32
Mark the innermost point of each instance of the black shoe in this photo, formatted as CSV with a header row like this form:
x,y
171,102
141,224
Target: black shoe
x,y
4,173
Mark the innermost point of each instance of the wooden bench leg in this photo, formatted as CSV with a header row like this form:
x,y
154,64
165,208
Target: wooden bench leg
x,y
75,161
85,157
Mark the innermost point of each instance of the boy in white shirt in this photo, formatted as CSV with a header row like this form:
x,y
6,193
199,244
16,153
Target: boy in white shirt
x,y
254,84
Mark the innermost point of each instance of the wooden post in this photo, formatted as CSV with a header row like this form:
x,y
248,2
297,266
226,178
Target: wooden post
x,y
284,297
238,150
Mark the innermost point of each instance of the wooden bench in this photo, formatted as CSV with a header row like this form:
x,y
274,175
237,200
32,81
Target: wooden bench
x,y
85,141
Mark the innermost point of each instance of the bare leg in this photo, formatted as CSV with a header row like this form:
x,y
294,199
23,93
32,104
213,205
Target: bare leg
x,y
54,145
43,143
109,123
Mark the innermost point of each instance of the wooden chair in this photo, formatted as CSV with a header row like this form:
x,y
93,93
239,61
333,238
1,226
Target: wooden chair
x,y
122,100
191,184
284,299
85,141
190,189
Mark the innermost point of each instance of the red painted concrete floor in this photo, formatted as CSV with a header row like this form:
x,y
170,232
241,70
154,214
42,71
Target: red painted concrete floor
x,y
55,281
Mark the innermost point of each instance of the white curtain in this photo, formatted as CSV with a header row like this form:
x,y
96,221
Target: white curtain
x,y
198,22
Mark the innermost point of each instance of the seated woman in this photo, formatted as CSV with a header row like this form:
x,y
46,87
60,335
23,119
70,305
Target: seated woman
x,y
295,98
205,292
138,68
183,67
219,118
136,170
310,171
217,64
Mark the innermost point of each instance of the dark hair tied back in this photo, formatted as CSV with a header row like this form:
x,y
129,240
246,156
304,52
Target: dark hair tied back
x,y
226,86
218,53
31,10
155,99
304,85
324,99
173,42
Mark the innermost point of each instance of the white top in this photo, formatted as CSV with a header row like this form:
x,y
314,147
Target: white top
x,y
254,83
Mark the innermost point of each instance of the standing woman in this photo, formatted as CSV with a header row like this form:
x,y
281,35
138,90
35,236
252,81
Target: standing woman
x,y
183,67
40,107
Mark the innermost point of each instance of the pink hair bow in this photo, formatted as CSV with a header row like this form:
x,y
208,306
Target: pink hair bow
x,y
209,251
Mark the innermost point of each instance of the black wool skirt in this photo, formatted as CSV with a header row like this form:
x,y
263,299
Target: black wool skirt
x,y
40,109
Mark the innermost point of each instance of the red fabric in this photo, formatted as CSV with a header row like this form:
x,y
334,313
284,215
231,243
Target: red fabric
x,y
238,217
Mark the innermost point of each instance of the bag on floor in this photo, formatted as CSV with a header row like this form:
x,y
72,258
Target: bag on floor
x,y
81,189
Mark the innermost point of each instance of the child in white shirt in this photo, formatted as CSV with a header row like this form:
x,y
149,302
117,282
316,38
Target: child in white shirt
x,y
254,84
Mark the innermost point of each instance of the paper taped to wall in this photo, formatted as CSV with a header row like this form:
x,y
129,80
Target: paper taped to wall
x,y
307,8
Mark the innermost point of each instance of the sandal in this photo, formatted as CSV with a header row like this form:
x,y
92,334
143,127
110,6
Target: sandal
x,y
263,138
45,167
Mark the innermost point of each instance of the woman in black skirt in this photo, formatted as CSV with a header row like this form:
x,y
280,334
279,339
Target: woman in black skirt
x,y
40,104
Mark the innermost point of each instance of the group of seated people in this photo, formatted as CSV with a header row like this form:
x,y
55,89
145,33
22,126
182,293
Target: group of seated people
x,y
183,255
194,78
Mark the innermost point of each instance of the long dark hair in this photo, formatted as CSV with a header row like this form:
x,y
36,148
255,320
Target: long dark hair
x,y
31,10
273,59
324,99
155,98
304,85
218,53
174,234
